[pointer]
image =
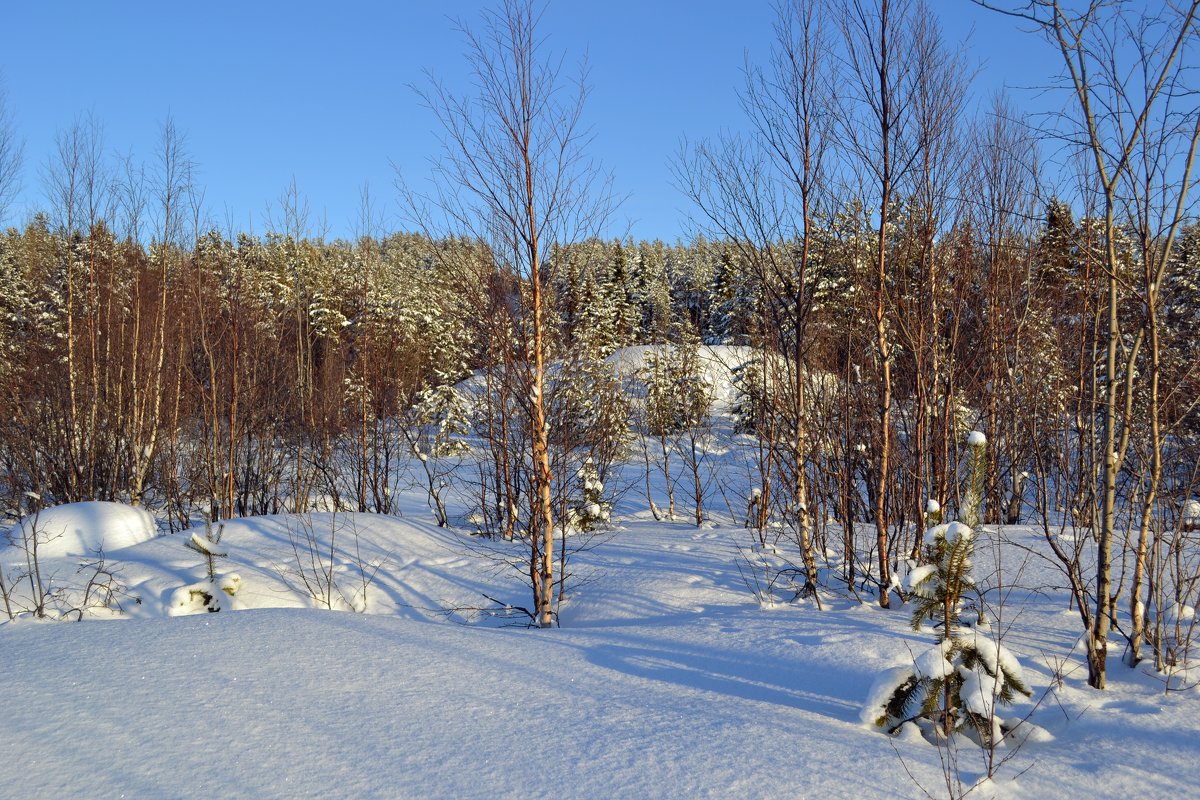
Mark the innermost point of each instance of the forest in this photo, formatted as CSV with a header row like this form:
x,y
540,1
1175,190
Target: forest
x,y
902,273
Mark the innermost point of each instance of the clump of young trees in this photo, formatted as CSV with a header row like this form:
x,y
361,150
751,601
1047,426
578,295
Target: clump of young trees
x,y
956,685
972,288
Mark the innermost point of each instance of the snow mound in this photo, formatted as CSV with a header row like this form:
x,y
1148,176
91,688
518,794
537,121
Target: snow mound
x,y
873,712
84,529
718,364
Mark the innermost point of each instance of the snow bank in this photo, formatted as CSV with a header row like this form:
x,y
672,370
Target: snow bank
x,y
83,529
718,365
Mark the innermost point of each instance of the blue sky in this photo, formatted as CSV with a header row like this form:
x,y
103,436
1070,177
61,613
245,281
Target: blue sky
x,y
321,92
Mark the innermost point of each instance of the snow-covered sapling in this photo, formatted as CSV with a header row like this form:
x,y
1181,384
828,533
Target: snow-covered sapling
x,y
937,588
206,546
591,509
30,539
955,684
972,507
1190,521
211,594
933,513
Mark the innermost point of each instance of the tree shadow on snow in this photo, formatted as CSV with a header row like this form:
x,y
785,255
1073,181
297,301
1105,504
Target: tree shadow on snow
x,y
751,677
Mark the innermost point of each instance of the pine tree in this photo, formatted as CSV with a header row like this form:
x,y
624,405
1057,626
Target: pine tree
x,y
954,685
217,591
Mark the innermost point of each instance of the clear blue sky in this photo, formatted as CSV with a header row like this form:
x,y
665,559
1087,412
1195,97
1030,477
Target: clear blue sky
x,y
320,91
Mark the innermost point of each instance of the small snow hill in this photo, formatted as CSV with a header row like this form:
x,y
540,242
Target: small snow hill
x,y
80,530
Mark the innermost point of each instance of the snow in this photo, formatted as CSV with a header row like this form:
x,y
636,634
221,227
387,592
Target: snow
x,y
883,687
951,532
1179,615
201,543
933,664
918,576
979,691
673,675
666,680
976,439
206,597
718,364
82,529
995,656
955,531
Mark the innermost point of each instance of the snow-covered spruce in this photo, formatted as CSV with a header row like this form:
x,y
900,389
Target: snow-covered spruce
x,y
954,685
1191,516
591,509
217,592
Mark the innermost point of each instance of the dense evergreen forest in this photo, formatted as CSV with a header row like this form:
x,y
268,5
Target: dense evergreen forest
x,y
237,376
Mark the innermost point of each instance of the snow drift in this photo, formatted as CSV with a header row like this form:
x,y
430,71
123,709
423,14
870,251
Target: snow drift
x,y
82,530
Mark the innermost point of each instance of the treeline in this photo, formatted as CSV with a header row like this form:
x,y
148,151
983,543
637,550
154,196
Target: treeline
x,y
229,377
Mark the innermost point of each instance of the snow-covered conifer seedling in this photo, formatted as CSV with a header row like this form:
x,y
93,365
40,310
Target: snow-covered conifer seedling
x,y
954,685
215,593
592,509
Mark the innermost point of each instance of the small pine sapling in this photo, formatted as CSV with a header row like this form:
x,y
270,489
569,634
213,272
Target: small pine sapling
x,y
937,588
592,509
933,513
206,546
954,685
972,507
211,594
1190,522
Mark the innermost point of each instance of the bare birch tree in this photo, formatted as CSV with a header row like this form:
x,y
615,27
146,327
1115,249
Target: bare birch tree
x,y
767,197
11,152
149,375
517,177
877,122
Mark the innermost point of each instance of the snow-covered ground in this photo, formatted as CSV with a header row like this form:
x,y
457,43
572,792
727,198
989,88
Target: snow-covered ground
x,y
81,529
666,679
